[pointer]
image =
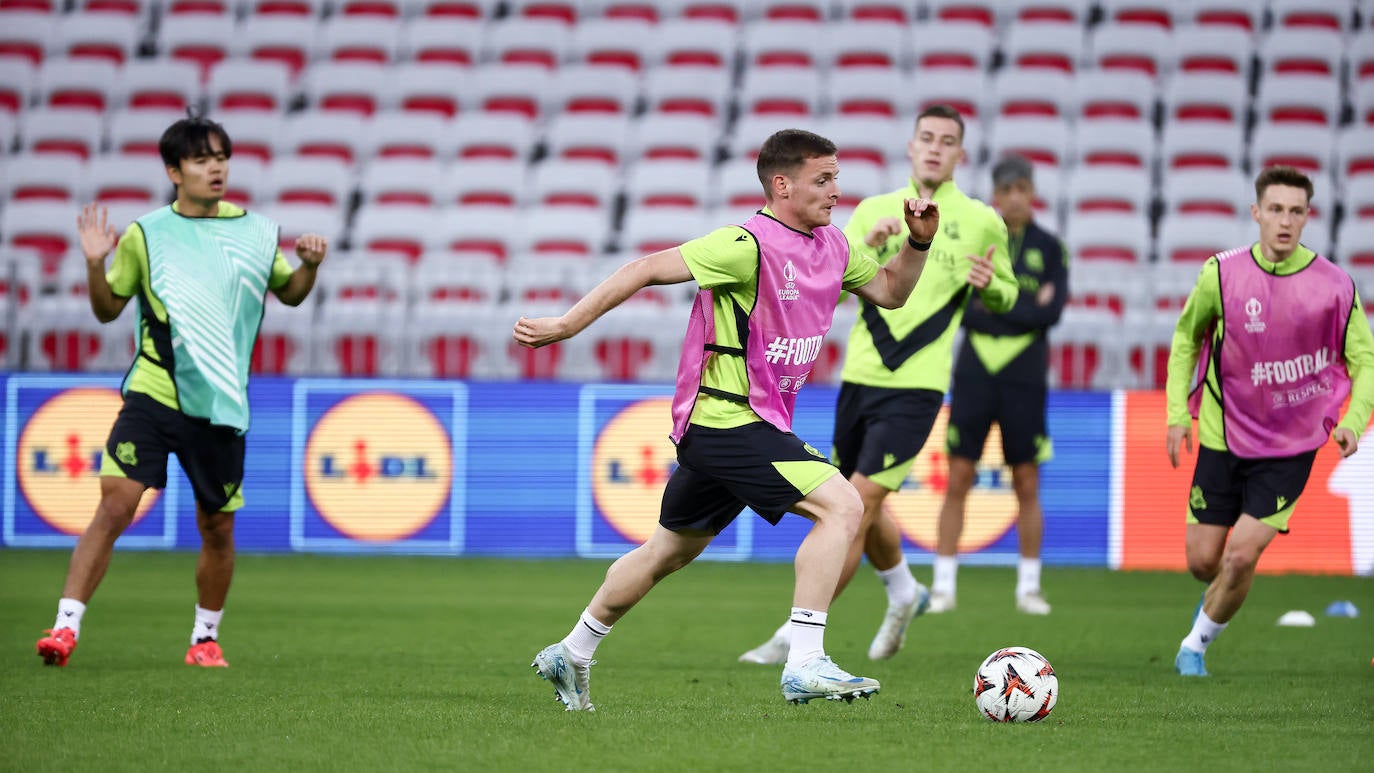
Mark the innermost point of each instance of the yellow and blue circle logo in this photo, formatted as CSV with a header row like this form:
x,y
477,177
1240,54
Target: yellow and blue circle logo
x,y
991,509
378,467
59,454
631,462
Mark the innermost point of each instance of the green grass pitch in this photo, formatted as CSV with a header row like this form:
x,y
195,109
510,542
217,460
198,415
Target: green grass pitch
x,y
408,663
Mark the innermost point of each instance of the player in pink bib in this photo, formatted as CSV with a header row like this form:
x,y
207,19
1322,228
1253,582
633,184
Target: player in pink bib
x,y
768,290
1283,342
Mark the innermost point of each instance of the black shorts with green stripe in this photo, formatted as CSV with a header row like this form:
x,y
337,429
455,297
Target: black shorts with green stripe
x,y
721,471
1226,486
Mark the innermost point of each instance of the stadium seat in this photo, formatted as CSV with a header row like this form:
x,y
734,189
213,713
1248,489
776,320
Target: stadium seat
x,y
701,91
1211,50
1044,46
898,12
647,12
865,45
493,136
1302,15
649,230
298,219
1358,197
191,38
879,92
490,182
565,12
1170,284
874,141
680,137
1021,93
668,184
335,135
736,184
1113,95
1307,147
581,184
1362,100
63,336
1207,97
282,39
59,131
382,10
283,346
136,132
43,230
963,90
25,35
1299,99
130,179
453,42
1195,145
303,9
1108,190
1360,58
980,12
1223,192
1130,47
366,279
393,181
632,343
1158,14
859,181
715,11
538,43
1037,11
76,84
55,179
111,40
1108,286
1191,239
247,174
781,91
257,136
358,39
558,279
1355,245
959,46
1097,237
398,134
1042,141
359,339
612,43
1082,352
444,10
779,44
1301,52
402,231
582,88
18,79
774,11
1241,15
421,88
696,44
565,232
250,86
462,341
751,130
322,181
1355,151
1148,341
491,232
589,136
514,89
345,87
156,84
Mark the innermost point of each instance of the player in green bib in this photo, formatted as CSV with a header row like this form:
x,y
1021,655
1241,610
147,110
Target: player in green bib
x,y
200,269
897,365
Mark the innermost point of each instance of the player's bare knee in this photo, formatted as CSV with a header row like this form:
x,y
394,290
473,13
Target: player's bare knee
x,y
1240,561
216,531
114,513
1203,569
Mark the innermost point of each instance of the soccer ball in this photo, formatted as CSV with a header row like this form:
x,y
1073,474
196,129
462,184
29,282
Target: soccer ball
x,y
1015,684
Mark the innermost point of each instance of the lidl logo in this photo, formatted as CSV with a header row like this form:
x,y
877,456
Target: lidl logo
x,y
59,455
378,466
631,462
991,505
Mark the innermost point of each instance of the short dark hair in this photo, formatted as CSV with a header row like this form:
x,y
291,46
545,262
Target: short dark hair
x,y
1282,175
941,110
190,137
785,151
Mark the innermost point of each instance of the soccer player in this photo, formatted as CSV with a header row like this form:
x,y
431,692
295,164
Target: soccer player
x,y
200,269
897,364
1284,342
767,294
999,376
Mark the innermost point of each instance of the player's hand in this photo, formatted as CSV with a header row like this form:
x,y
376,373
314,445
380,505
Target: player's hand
x,y
310,248
922,218
980,269
97,234
884,229
1180,435
1346,441
540,331
1045,295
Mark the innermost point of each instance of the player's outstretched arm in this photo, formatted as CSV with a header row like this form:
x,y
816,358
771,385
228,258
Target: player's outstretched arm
x,y
310,249
97,240
893,283
660,268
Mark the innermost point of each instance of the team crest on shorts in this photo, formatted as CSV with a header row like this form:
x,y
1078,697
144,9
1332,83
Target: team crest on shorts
x,y
1196,500
125,453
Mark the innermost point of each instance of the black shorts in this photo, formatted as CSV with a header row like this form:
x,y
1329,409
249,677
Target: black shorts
x,y
978,398
146,431
720,471
879,431
1225,486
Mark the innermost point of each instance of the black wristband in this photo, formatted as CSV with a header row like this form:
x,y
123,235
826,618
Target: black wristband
x,y
915,245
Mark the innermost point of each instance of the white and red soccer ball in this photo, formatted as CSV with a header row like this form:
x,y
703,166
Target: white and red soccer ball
x,y
1015,684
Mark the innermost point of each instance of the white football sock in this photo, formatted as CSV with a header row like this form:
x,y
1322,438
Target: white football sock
x,y
1204,631
946,569
583,639
808,636
207,624
69,612
1027,576
900,585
